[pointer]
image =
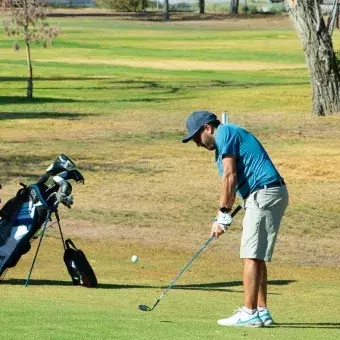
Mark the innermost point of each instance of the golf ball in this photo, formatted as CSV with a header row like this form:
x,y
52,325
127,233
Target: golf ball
x,y
134,258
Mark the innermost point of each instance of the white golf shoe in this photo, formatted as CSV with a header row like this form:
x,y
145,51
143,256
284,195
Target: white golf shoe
x,y
243,319
265,316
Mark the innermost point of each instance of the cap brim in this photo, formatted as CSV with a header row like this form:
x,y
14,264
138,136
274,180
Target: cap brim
x,y
189,136
187,139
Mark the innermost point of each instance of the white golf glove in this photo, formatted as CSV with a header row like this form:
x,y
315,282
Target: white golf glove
x,y
224,219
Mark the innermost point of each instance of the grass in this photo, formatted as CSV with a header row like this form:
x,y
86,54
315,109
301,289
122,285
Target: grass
x,y
66,312
114,95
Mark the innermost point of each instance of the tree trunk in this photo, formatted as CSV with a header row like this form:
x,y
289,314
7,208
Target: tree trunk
x,y
233,9
166,10
145,4
320,57
30,72
202,6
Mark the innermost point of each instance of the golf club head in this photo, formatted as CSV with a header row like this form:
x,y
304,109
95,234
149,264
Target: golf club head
x,y
145,308
72,174
62,163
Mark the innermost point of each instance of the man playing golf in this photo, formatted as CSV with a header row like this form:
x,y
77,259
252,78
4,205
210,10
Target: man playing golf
x,y
246,170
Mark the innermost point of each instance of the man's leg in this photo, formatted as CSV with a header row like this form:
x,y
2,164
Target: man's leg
x,y
253,274
248,316
262,296
262,299
264,210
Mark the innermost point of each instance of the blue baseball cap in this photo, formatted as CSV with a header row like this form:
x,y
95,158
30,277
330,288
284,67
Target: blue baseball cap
x,y
195,121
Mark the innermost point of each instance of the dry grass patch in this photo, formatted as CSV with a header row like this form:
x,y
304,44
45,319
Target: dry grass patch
x,y
184,64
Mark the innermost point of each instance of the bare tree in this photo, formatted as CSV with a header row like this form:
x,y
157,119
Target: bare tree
x,y
26,20
201,4
166,10
315,36
233,8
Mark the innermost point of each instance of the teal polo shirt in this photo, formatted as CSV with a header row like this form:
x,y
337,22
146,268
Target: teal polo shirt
x,y
253,165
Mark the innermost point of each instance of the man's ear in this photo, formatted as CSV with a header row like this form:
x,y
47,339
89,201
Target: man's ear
x,y
208,127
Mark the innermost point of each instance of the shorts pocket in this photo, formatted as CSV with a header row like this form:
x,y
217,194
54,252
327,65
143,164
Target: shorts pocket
x,y
267,198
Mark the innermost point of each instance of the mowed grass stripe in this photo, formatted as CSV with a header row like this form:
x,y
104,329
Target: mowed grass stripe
x,y
75,69
143,51
117,39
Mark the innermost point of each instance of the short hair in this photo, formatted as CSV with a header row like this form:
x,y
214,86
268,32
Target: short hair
x,y
215,123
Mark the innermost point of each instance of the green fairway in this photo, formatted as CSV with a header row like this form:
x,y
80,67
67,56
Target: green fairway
x,y
54,309
113,95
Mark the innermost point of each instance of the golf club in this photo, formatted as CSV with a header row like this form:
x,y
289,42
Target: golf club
x,y
146,308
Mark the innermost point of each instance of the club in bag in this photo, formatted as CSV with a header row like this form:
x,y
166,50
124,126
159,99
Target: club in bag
x,y
146,308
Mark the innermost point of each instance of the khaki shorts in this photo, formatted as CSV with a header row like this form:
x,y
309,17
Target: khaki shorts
x,y
263,213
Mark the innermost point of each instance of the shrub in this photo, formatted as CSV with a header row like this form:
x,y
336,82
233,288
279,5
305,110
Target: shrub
x,y
123,5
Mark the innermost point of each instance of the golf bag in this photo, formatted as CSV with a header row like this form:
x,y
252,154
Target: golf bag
x,y
78,267
28,213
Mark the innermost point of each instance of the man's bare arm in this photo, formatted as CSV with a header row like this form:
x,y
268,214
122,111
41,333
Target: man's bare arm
x,y
228,181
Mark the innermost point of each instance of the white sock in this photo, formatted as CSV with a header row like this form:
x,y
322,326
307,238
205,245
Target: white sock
x,y
261,309
249,311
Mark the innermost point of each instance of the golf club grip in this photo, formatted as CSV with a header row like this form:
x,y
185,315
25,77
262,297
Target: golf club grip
x,y
236,210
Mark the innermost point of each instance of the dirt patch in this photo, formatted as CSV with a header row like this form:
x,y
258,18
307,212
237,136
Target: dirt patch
x,y
184,64
303,252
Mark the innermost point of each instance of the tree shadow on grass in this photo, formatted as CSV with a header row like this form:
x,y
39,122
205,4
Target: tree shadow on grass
x,y
148,84
221,286
41,115
10,100
334,325
151,100
151,84
34,282
24,100
19,166
214,286
23,79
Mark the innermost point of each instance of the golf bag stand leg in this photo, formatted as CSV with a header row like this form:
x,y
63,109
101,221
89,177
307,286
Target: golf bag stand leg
x,y
59,226
48,217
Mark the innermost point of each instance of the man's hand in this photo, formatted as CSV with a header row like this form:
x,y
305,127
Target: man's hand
x,y
224,218
221,223
218,229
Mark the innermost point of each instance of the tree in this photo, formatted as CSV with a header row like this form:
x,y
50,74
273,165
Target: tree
x,y
201,4
124,5
233,8
27,20
166,10
315,36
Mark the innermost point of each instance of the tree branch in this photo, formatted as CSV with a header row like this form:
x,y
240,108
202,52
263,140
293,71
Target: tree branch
x,y
332,17
318,17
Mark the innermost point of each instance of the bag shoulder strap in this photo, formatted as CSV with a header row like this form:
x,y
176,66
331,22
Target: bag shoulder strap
x,y
69,242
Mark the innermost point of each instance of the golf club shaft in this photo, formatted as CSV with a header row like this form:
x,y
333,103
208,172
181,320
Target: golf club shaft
x,y
185,268
236,210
